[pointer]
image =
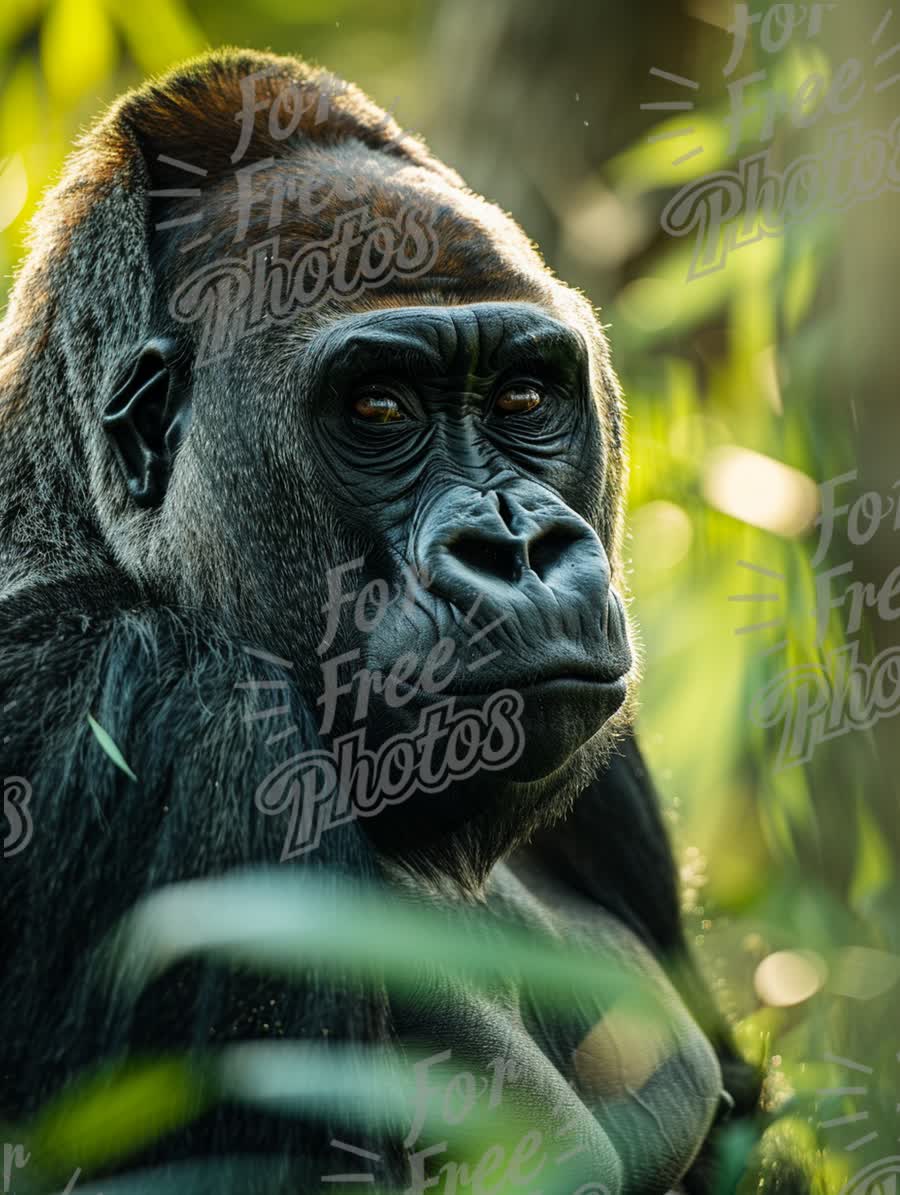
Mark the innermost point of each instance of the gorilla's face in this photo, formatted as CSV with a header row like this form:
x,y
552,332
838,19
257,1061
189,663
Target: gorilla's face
x,y
408,512
461,445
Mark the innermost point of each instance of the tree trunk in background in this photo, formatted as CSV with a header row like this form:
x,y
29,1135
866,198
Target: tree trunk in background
x,y
536,96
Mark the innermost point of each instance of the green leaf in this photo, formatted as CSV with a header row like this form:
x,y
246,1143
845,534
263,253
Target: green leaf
x,y
110,747
78,49
117,1111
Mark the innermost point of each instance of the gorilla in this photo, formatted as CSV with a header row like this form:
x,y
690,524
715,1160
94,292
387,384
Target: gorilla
x,y
290,415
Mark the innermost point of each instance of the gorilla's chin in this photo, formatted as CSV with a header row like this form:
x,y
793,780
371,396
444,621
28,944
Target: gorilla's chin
x,y
558,718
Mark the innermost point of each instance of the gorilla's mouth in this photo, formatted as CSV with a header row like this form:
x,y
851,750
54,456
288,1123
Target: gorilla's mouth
x,y
567,678
579,704
573,676
574,681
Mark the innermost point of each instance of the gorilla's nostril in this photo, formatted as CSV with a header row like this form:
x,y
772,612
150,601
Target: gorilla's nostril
x,y
546,553
503,508
489,557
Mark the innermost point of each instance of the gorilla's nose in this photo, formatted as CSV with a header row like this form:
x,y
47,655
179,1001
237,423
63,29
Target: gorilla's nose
x,y
498,545
480,556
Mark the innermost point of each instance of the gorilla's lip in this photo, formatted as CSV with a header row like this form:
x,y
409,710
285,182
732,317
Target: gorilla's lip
x,y
572,679
574,675
565,679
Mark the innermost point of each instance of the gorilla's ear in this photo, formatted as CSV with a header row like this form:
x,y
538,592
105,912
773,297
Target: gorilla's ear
x,y
147,418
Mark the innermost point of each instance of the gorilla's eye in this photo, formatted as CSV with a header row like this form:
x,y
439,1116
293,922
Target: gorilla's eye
x,y
518,399
377,406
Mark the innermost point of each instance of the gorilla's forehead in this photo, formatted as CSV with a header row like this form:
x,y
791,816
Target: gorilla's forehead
x,y
457,339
